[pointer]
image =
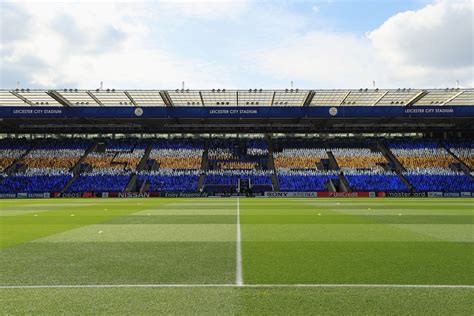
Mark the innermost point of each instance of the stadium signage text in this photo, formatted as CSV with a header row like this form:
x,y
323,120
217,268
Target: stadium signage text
x,y
38,111
267,194
232,112
436,110
132,195
290,194
405,194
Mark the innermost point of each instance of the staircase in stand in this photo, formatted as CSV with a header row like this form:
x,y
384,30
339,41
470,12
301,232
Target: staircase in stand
x,y
333,165
465,168
271,166
398,167
76,170
131,185
343,183
11,169
204,166
83,157
143,162
144,187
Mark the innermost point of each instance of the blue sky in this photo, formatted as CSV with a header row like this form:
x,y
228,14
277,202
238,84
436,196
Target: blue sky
x,y
237,44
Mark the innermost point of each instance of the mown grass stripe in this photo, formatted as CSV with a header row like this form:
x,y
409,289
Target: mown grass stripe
x,y
53,286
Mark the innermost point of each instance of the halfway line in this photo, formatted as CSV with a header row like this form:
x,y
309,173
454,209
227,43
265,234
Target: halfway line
x,y
239,281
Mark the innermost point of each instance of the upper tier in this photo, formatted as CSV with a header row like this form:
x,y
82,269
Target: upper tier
x,y
250,97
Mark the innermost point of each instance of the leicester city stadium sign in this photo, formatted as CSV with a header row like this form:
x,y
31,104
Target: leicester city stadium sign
x,y
236,112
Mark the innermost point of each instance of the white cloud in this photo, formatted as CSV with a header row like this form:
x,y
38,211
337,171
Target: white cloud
x,y
83,44
322,59
431,47
203,9
315,8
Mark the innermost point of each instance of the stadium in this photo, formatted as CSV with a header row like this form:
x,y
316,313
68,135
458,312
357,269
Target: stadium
x,y
237,201
237,157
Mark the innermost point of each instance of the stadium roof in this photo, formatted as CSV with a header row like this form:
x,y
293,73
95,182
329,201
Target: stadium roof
x,y
249,97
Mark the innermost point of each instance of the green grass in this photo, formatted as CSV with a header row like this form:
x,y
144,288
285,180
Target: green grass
x,y
193,241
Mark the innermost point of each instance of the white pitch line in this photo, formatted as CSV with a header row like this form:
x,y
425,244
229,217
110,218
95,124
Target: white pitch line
x,y
60,286
239,281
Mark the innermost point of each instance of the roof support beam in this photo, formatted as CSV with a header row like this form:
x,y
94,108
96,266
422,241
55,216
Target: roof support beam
x,y
58,97
22,98
202,99
381,97
130,98
345,97
453,97
273,98
417,97
166,98
309,98
94,97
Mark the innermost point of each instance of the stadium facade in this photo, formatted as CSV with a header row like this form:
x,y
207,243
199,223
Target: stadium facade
x,y
364,142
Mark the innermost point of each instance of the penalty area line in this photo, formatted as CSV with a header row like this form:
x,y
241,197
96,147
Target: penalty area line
x,y
410,286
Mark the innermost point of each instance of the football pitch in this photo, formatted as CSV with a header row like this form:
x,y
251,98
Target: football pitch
x,y
237,256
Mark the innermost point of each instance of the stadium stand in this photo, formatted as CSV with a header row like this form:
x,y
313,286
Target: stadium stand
x,y
172,166
149,149
364,169
464,150
233,160
11,150
176,165
429,166
110,167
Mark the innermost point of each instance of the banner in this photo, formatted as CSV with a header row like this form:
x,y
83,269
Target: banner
x,y
451,194
7,195
67,195
132,195
183,194
346,194
235,112
406,194
291,194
